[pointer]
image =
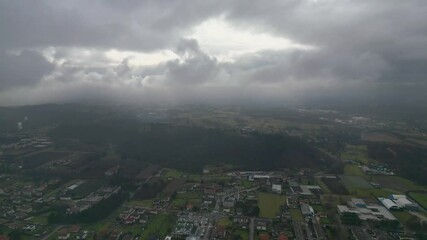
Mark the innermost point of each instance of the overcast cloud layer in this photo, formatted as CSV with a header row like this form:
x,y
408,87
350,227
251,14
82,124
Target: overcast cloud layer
x,y
287,51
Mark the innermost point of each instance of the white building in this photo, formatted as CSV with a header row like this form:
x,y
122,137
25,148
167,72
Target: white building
x,y
389,204
307,210
277,188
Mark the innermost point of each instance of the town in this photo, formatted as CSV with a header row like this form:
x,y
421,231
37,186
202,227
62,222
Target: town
x,y
52,189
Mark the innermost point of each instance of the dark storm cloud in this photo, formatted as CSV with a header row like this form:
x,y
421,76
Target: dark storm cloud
x,y
363,50
196,68
23,69
144,25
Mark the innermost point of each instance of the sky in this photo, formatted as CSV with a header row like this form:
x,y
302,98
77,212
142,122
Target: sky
x,y
213,51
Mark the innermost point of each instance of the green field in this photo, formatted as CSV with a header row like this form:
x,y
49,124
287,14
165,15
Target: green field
x,y
172,173
357,153
247,184
353,170
402,216
243,234
322,185
420,198
269,204
179,203
397,183
355,182
296,214
159,225
141,203
225,222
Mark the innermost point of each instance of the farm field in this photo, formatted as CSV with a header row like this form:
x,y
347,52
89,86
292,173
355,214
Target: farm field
x,y
159,225
40,158
357,153
171,173
380,137
420,198
355,182
241,233
269,204
225,222
173,186
141,203
86,188
397,183
296,214
322,185
335,185
353,170
402,216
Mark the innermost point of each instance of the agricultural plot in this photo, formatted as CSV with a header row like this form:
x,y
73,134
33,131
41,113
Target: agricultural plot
x,y
86,188
397,183
159,225
171,173
270,204
183,199
173,186
357,153
224,222
141,203
380,137
420,198
335,185
353,170
243,234
40,158
296,214
355,182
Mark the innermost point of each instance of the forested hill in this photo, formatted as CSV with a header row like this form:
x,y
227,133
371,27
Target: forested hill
x,y
190,148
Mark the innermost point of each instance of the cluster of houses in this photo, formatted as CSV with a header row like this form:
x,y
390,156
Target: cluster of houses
x,y
22,198
31,142
80,205
72,232
134,216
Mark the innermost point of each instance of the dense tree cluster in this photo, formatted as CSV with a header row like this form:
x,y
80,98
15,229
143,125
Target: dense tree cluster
x,y
190,148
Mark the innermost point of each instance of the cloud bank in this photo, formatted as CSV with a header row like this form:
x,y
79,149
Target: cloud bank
x,y
184,51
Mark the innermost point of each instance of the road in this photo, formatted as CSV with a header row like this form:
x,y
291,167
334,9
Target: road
x,y
252,229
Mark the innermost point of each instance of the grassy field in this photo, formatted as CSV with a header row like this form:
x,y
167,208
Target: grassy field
x,y
242,233
179,203
225,222
172,173
356,153
247,184
105,224
361,192
397,183
141,203
402,216
40,219
355,182
296,214
420,198
87,187
159,225
322,185
269,204
353,170
189,195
